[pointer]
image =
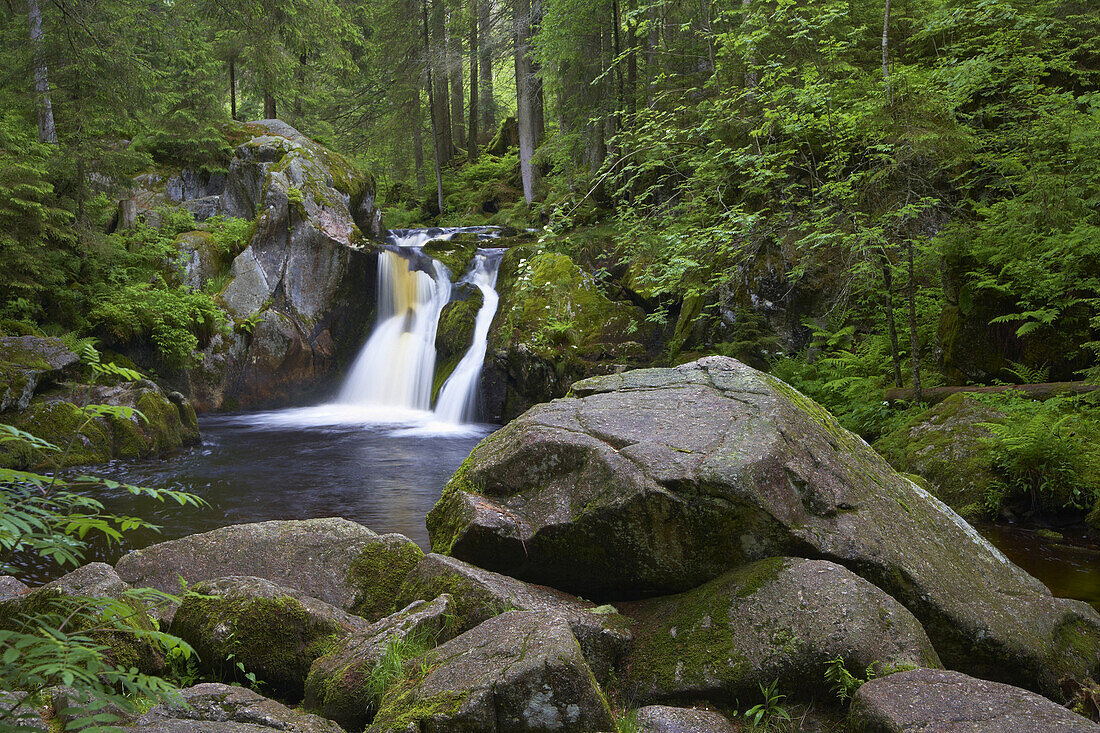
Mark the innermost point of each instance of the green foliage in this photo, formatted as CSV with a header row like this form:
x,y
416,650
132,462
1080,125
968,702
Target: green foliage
x,y
393,667
70,640
1044,453
231,235
770,713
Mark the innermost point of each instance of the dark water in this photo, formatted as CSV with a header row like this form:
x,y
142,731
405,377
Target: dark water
x,y
1070,567
294,464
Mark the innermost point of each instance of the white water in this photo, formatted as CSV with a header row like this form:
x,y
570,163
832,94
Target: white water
x,y
458,397
396,365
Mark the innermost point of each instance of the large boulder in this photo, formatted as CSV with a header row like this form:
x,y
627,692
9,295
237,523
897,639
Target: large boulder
x,y
273,631
217,708
938,701
341,684
519,671
779,619
335,560
945,445
300,292
603,633
665,719
27,362
657,480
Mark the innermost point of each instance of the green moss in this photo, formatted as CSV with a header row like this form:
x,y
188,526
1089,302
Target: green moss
x,y
455,253
378,573
66,426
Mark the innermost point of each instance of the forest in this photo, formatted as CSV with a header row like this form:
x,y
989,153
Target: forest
x,y
210,210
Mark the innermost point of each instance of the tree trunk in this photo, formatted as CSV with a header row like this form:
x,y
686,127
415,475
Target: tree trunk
x,y
440,97
458,93
233,88
914,344
418,142
632,63
886,52
888,306
472,134
704,21
526,97
47,131
432,107
486,103
270,112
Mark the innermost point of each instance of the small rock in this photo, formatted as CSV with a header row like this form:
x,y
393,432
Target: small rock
x,y
939,701
11,587
217,708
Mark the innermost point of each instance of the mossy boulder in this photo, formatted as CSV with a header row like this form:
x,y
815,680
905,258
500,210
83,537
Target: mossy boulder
x,y
777,619
26,362
657,480
96,601
554,326
335,560
199,258
519,671
939,700
275,632
57,416
455,252
340,684
603,633
217,708
453,336
945,446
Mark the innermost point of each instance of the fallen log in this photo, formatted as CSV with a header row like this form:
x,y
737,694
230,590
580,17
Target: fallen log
x,y
1045,390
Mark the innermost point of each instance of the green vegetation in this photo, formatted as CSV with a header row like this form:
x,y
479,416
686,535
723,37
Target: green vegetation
x,y
106,647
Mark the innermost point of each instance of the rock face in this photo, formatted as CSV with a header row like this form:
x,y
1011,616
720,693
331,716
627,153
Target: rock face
x,y
217,708
339,562
943,445
302,289
274,631
664,719
937,701
777,619
339,683
519,671
480,594
43,395
654,481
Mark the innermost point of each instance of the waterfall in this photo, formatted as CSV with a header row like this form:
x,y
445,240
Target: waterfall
x,y
396,365
458,397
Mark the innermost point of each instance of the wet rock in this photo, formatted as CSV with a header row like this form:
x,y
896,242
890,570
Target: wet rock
x,y
777,619
519,671
339,685
938,701
664,719
657,480
27,362
273,631
217,708
337,561
603,633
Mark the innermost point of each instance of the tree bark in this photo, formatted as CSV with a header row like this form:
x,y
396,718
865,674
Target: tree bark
x,y
472,134
418,142
886,52
704,20
47,131
632,63
526,97
432,106
440,97
458,93
486,103
270,111
888,306
233,88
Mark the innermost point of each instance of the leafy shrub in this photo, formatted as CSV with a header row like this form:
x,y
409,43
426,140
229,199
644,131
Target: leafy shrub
x,y
231,235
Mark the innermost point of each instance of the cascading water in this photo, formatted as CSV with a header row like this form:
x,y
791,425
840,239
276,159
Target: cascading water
x,y
458,397
396,365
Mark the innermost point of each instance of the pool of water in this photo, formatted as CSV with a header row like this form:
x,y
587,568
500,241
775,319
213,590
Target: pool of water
x,y
383,470
1070,567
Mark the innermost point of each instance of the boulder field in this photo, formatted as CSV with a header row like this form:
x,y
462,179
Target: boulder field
x,y
646,554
